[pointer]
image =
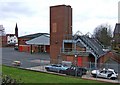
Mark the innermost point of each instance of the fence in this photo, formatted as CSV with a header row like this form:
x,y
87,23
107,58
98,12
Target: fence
x,y
39,65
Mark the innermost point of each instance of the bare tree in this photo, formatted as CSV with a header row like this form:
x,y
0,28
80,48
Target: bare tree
x,y
103,33
2,31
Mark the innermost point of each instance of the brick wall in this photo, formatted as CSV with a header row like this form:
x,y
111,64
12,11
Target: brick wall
x,y
60,25
3,41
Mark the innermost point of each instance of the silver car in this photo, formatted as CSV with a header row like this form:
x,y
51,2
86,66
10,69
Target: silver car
x,y
105,73
56,68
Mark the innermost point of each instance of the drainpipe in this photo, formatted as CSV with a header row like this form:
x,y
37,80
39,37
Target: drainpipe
x,y
95,62
75,46
62,47
44,48
31,49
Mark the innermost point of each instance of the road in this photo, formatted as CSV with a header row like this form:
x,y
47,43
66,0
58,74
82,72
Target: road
x,y
28,60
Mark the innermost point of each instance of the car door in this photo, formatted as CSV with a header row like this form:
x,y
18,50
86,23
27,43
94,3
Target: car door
x,y
72,71
103,74
53,67
109,74
58,68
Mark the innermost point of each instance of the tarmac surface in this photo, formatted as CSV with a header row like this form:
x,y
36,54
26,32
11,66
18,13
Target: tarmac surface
x,y
27,59
36,62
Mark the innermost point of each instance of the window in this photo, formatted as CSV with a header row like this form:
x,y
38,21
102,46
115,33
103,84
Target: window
x,y
54,27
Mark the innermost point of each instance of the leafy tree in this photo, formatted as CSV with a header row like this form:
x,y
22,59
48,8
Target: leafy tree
x,y
103,33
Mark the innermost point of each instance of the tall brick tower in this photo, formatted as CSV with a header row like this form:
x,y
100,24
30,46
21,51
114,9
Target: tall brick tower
x,y
60,25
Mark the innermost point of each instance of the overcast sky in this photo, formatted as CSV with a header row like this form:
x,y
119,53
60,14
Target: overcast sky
x,y
32,16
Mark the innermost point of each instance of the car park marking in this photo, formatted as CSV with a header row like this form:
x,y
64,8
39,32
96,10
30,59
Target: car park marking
x,y
40,61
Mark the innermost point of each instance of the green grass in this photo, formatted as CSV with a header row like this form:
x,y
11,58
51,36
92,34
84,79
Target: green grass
x,y
39,77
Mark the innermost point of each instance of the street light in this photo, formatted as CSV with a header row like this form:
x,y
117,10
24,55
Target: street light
x,y
76,65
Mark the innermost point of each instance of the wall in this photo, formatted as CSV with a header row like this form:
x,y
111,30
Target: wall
x,y
60,25
80,60
35,48
3,41
12,40
21,41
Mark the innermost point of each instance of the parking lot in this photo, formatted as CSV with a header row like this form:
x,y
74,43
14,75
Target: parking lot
x,y
27,60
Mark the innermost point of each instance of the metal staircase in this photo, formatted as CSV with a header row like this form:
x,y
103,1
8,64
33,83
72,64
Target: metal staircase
x,y
92,45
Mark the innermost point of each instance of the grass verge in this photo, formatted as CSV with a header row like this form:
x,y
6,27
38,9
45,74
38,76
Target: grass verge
x,y
39,77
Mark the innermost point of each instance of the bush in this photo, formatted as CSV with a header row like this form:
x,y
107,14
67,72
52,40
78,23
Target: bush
x,y
8,80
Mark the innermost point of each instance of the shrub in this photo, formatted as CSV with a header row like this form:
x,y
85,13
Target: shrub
x,y
8,80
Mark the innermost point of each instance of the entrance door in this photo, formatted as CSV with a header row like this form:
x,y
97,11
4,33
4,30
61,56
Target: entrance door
x,y
79,62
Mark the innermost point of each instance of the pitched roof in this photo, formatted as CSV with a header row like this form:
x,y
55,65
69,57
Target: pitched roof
x,y
10,34
41,40
33,35
97,46
117,28
92,43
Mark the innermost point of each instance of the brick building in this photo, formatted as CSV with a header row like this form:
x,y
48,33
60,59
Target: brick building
x,y
64,46
32,43
3,38
60,25
3,41
12,39
8,39
117,35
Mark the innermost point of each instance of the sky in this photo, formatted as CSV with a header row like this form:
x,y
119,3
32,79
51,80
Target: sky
x,y
32,16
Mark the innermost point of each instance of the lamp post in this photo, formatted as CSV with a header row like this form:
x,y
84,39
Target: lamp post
x,y
76,65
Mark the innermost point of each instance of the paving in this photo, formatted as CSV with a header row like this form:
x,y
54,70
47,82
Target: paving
x,y
27,59
100,79
88,77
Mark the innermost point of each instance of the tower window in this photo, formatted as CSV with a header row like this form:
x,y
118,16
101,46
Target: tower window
x,y
54,27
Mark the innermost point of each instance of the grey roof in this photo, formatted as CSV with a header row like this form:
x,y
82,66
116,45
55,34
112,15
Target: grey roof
x,y
92,43
41,40
117,32
80,44
33,35
99,48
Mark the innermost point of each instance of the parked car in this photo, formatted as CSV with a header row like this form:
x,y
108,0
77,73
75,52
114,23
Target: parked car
x,y
56,68
105,73
16,47
76,71
16,63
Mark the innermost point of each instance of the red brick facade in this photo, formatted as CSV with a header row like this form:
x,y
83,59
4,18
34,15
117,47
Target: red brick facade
x,y
3,41
21,41
23,47
60,25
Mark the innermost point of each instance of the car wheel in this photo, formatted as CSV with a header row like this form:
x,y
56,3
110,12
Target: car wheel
x,y
47,69
113,78
109,75
94,75
60,71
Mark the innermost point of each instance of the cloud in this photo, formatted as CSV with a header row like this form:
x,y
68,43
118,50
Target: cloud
x,y
14,10
32,16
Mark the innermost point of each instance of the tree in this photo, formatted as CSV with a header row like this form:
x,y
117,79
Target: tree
x,y
2,30
103,33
